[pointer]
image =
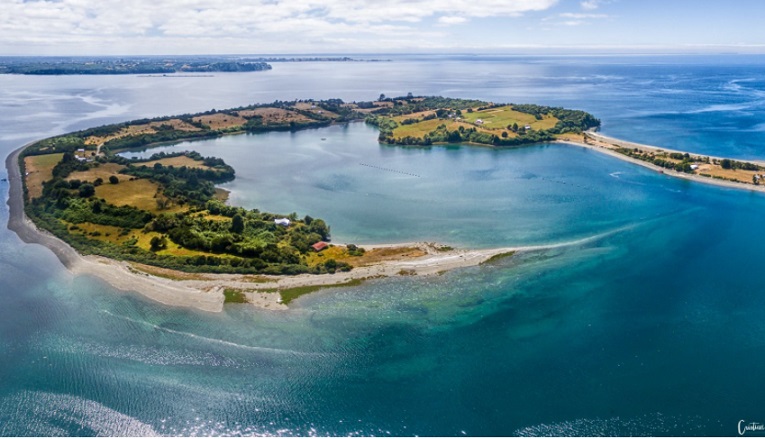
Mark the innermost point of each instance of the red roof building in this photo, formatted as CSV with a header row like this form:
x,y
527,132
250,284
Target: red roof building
x,y
319,246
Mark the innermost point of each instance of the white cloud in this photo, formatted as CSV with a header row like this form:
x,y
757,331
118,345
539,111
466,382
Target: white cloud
x,y
581,16
451,19
259,25
590,5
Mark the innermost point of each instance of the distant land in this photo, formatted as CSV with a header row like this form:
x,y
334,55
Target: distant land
x,y
147,65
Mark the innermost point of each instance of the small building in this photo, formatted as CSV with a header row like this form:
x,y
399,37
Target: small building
x,y
282,222
694,167
527,127
319,246
479,121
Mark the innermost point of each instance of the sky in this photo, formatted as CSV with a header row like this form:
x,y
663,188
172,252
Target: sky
x,y
177,27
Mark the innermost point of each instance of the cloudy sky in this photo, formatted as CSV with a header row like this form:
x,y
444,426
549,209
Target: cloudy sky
x,y
125,27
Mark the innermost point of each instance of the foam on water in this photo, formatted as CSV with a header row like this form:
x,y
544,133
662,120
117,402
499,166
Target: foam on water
x,y
50,414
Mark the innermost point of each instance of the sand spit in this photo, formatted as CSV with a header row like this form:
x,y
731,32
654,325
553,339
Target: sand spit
x,y
606,145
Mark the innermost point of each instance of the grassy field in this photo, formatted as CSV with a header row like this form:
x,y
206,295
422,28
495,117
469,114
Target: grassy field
x,y
500,118
741,175
374,256
39,169
420,129
136,130
274,115
218,121
139,193
177,162
103,233
103,171
309,106
494,121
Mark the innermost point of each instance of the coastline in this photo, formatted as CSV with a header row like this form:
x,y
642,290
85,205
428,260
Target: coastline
x,y
205,292
604,145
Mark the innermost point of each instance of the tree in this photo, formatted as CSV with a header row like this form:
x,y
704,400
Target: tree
x,y
87,190
237,224
514,128
504,134
163,203
158,243
99,181
382,97
726,164
113,179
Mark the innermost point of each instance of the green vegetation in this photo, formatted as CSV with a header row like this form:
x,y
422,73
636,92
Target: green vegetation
x,y
435,120
681,162
163,211
498,257
290,294
232,295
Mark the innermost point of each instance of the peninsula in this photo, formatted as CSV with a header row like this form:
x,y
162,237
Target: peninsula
x,y
160,226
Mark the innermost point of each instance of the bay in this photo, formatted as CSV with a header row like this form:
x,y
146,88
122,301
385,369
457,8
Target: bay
x,y
653,327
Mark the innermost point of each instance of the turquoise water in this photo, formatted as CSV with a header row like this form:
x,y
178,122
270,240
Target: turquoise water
x,y
652,327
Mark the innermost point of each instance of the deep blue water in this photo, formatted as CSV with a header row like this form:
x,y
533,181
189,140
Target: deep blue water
x,y
652,327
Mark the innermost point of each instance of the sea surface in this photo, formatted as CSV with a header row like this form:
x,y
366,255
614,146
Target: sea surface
x,y
644,317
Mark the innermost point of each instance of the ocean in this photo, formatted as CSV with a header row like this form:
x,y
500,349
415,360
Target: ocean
x,y
643,317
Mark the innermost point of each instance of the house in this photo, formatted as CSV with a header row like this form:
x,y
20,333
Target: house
x,y
319,246
694,167
527,127
479,121
282,222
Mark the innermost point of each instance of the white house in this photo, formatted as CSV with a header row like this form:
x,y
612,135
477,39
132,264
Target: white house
x,y
282,222
479,121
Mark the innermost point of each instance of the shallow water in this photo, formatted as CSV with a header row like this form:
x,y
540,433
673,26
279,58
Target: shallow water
x,y
654,328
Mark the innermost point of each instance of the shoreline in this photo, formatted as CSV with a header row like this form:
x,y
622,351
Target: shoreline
x,y
205,291
604,145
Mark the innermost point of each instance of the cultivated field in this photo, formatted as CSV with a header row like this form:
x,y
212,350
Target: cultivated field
x,y
221,121
102,171
274,115
177,162
500,118
39,168
136,130
141,194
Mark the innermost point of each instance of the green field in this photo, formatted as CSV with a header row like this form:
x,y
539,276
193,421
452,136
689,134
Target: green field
x,y
499,118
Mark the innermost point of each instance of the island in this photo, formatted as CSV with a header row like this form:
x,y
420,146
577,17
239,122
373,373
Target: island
x,y
159,225
149,65
127,65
